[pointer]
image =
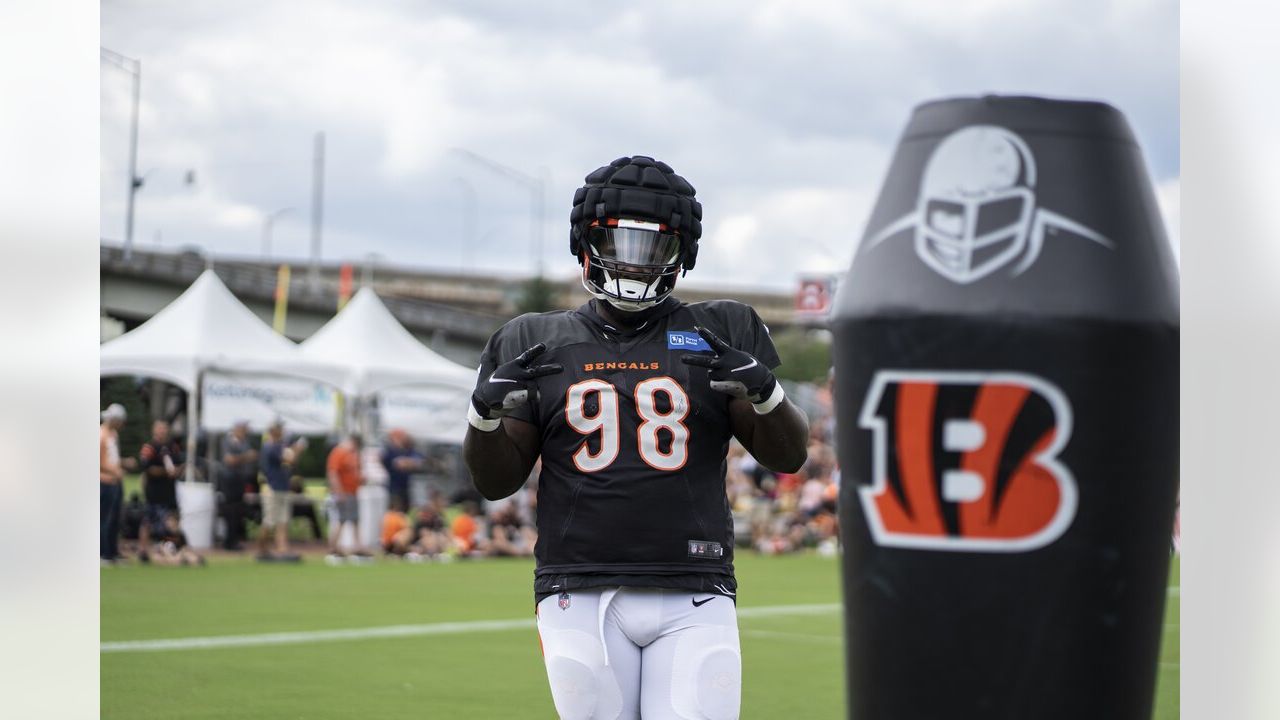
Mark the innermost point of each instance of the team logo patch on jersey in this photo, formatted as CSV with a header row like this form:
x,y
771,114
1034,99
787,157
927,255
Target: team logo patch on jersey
x,y
686,340
705,549
564,601
967,461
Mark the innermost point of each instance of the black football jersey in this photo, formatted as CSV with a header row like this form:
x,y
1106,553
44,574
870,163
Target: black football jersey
x,y
632,489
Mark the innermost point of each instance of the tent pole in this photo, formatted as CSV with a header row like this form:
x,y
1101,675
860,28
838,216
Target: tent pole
x,y
210,454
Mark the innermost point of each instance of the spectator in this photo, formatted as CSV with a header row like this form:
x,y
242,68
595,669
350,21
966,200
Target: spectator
x,y
239,462
466,532
509,535
276,462
397,535
813,490
110,479
161,461
171,546
343,471
429,536
135,513
401,460
303,507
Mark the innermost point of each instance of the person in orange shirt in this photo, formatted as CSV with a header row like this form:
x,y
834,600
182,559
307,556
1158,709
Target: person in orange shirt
x,y
345,478
397,535
466,531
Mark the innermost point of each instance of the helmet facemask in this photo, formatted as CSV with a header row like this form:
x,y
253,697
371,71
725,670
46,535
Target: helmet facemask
x,y
630,264
967,238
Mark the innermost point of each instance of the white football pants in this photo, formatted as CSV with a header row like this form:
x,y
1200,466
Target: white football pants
x,y
628,653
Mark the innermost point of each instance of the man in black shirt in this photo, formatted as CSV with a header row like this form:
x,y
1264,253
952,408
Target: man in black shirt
x,y
239,469
161,461
631,401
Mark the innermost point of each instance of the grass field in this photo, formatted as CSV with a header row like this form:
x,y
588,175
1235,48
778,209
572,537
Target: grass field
x,y
793,662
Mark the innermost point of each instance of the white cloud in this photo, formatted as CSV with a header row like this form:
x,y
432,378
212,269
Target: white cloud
x,y
783,115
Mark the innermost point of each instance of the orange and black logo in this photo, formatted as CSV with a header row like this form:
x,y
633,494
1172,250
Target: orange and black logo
x,y
967,461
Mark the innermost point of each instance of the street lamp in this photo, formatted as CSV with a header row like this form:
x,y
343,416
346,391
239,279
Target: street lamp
x,y
469,207
537,187
370,262
134,68
267,223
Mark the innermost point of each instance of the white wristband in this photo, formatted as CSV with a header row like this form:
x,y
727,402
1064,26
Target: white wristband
x,y
766,406
480,423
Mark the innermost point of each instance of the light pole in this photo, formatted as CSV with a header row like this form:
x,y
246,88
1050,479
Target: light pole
x,y
267,223
370,262
317,211
469,207
134,68
537,187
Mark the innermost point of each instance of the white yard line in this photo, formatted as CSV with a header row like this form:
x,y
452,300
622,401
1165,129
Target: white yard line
x,y
796,637
312,636
443,628
776,610
394,631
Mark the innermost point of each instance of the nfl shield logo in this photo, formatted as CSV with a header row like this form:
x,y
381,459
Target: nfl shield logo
x,y
564,601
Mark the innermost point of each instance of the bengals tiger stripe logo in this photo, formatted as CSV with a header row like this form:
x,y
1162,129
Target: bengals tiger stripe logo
x,y
967,461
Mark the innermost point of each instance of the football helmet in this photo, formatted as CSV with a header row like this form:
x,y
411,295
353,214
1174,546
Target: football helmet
x,y
634,228
631,264
976,202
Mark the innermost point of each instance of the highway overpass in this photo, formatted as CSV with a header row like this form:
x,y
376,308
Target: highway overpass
x,y
452,312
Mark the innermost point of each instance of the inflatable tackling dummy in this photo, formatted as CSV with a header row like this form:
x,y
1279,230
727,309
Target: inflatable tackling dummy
x,y
1006,357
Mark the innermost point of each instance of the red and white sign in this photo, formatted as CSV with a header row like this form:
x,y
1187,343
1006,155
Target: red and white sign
x,y
814,295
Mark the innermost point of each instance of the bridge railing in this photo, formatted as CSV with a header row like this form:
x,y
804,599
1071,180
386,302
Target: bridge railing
x,y
258,282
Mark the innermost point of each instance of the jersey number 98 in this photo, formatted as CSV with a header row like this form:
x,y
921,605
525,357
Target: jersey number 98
x,y
652,421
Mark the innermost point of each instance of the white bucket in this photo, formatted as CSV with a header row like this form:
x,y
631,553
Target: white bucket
x,y
197,506
373,501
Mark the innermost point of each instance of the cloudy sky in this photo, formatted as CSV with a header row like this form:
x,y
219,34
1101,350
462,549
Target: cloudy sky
x,y
783,115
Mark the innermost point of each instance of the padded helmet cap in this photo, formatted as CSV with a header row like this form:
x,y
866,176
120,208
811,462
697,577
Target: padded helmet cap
x,y
637,188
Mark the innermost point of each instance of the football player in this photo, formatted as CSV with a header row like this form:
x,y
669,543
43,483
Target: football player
x,y
631,401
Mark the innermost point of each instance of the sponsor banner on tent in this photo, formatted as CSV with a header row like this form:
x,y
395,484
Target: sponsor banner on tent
x,y
306,407
433,412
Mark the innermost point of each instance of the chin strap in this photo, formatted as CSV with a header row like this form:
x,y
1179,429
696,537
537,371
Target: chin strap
x,y
629,306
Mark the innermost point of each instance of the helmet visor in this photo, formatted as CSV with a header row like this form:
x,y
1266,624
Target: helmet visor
x,y
634,249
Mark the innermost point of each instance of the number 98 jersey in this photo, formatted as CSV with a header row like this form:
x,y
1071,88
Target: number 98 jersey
x,y
632,489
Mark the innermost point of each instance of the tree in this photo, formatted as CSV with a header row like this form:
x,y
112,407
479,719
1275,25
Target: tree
x,y
806,354
537,295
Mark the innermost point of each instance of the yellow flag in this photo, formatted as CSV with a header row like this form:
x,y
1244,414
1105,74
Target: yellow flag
x,y
282,299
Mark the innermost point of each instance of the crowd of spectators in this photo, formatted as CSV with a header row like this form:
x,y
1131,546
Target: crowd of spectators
x,y
788,512
153,523
773,513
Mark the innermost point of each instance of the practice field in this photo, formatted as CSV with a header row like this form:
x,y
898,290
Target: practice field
x,y
241,640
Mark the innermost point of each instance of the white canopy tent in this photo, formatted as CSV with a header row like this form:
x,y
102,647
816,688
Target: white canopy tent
x,y
381,357
207,328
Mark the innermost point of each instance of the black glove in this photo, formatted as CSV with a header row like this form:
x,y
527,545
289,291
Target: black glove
x,y
733,371
511,384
